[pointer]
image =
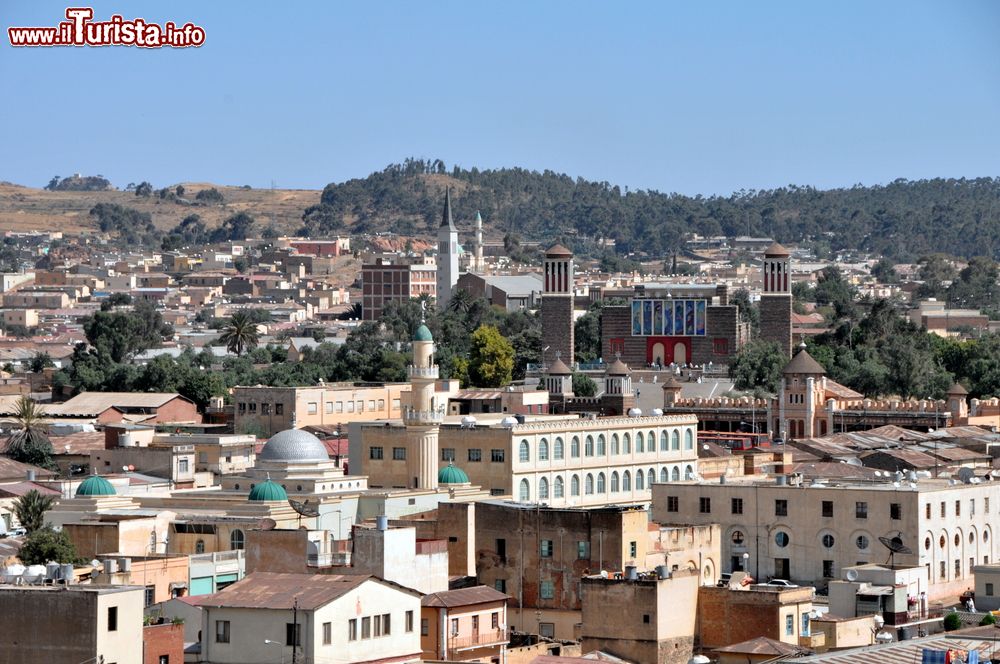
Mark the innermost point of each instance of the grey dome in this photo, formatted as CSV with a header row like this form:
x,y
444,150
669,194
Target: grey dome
x,y
293,445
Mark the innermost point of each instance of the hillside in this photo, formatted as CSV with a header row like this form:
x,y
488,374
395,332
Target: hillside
x,y
902,220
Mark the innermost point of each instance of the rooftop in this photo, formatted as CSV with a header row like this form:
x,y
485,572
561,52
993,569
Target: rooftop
x,y
281,591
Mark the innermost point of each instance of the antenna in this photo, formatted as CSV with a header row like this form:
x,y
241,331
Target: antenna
x,y
895,545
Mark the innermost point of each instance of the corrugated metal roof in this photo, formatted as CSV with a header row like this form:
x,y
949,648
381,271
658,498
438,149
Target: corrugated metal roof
x,y
463,597
95,403
272,590
902,652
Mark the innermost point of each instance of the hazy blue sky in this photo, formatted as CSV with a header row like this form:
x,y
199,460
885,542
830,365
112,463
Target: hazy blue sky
x,y
699,97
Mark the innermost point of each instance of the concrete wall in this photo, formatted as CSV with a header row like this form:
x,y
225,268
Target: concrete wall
x,y
732,616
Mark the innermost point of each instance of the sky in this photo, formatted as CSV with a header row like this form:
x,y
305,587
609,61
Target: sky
x,y
695,97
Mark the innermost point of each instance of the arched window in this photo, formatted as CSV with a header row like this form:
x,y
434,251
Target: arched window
x,y
664,476
601,446
675,474
601,486
557,450
543,449
525,451
639,480
626,481
525,492
675,440
664,444
689,472
688,439
616,447
640,443
574,485
236,539
557,488
199,546
626,444
588,446
574,447
652,478
543,489
588,485
614,482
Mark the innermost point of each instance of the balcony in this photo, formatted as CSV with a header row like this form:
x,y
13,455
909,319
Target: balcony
x,y
431,373
491,637
414,416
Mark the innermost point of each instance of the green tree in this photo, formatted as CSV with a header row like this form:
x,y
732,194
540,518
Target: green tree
x,y
30,509
29,442
587,336
122,334
47,545
39,362
240,334
952,622
584,386
144,189
749,312
757,366
885,272
491,358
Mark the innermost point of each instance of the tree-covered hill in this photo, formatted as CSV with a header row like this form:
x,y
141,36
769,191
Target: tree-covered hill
x,y
902,220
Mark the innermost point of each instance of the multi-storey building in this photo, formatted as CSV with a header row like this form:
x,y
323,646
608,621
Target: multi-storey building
x,y
396,279
808,533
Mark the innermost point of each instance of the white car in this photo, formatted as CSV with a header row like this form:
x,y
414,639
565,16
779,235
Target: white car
x,y
779,583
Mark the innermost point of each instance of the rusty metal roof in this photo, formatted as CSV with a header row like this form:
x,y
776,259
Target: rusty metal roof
x,y
463,597
272,590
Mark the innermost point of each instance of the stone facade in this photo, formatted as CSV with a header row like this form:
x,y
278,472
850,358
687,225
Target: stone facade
x,y
776,320
725,334
557,327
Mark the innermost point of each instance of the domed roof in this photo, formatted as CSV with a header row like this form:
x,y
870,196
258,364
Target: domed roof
x,y
95,485
558,251
803,363
293,445
957,390
776,250
422,334
267,491
618,368
452,474
559,368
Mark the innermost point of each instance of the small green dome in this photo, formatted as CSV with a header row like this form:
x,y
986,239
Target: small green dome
x,y
423,334
95,485
452,474
268,491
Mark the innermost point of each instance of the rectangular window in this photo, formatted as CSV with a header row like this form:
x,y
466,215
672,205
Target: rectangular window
x,y
279,409
986,505
375,453
989,589
958,567
927,511
972,507
327,633
366,628
311,408
113,620
399,454
409,621
150,595
328,407
500,585
242,407
350,406
633,549
395,404
583,550
339,407
447,453
737,505
495,620
475,624
381,404
361,406
828,569
253,407
943,569
222,631
425,627
861,510
781,508
293,634
475,455
265,409
827,508
943,513
352,629
546,549
958,508
547,629
454,626
497,456
789,625
502,549
182,465
547,590
673,504
378,625
371,404
895,511
705,505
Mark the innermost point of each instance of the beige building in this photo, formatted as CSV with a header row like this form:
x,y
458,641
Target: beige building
x,y
558,460
808,533
71,624
464,625
324,617
396,279
268,410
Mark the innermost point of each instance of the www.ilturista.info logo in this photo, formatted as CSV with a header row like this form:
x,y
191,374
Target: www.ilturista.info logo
x,y
80,30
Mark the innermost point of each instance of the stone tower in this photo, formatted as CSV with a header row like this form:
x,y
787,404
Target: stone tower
x,y
422,417
801,412
478,264
776,300
447,260
557,305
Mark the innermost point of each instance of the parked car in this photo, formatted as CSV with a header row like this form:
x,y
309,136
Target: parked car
x,y
780,583
17,532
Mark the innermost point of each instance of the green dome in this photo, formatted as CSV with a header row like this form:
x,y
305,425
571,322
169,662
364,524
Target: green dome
x,y
268,491
95,485
423,334
452,474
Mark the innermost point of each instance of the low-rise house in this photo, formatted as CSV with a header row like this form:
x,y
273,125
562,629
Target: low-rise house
x,y
464,625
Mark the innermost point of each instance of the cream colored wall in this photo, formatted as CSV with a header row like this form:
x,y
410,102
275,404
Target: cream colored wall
x,y
122,645
296,405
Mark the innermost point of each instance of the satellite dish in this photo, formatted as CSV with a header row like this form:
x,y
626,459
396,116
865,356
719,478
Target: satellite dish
x,y
303,509
267,524
966,475
895,545
851,574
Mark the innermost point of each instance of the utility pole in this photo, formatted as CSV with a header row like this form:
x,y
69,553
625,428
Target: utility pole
x,y
295,630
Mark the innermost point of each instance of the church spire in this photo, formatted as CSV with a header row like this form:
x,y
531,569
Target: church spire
x,y
446,220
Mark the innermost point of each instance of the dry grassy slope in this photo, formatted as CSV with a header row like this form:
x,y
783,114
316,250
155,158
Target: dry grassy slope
x,y
24,208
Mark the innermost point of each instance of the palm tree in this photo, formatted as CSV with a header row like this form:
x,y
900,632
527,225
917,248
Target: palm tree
x,y
241,333
29,443
461,301
30,510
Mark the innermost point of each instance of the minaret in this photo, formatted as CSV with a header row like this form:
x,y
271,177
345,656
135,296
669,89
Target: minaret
x,y
422,417
479,266
776,300
557,305
447,260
